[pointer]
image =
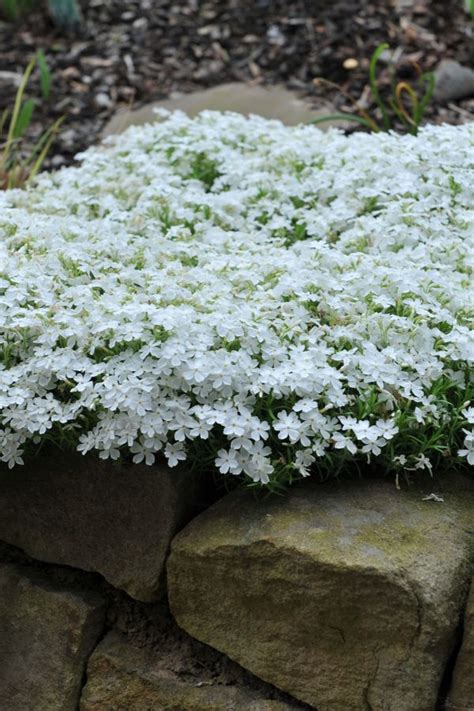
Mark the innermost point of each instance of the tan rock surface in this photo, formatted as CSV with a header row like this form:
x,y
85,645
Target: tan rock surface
x,y
123,678
47,634
274,102
346,596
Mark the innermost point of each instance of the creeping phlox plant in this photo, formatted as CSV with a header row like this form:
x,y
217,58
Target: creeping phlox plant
x,y
278,301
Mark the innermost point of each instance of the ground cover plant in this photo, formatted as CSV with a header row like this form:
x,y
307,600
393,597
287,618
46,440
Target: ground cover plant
x,y
278,301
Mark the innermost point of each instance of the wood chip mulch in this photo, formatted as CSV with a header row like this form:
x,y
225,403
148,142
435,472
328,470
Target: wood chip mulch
x,y
134,51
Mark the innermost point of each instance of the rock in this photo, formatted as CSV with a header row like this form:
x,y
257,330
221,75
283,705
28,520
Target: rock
x,y
347,596
47,635
116,519
122,677
453,81
273,102
461,696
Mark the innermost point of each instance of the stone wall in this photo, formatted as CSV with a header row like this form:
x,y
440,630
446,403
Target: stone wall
x,y
125,587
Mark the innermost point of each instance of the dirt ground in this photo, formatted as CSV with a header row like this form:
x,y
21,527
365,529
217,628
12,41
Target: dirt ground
x,y
134,51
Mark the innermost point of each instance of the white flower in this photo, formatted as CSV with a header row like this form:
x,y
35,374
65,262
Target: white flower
x,y
303,461
342,442
174,453
288,426
468,452
400,459
422,462
226,462
273,311
468,413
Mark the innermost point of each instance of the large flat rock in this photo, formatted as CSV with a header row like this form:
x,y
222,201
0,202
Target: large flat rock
x,y
346,596
273,102
47,635
116,519
123,677
461,697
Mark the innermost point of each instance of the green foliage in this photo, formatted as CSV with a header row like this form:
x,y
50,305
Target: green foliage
x,y
13,9
406,103
45,74
66,14
204,169
16,170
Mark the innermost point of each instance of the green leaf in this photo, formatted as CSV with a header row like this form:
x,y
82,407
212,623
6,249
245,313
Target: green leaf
x,y
14,9
374,87
45,74
10,9
24,118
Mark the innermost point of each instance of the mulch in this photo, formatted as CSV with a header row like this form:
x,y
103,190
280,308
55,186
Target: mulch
x,y
135,51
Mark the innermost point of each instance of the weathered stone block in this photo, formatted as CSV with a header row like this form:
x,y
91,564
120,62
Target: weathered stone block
x,y
116,519
461,697
47,634
124,678
346,596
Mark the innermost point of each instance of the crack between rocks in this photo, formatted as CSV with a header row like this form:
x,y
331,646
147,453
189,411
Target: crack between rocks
x,y
84,678
419,616
411,589
368,688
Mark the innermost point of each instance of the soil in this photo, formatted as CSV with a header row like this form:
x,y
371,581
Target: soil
x,y
134,51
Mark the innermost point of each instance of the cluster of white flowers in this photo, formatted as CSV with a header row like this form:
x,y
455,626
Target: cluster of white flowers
x,y
278,298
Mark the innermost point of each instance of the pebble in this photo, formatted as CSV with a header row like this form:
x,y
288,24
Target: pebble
x,y
103,100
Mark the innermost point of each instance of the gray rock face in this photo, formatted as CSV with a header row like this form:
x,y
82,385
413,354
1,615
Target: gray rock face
x,y
274,102
461,697
453,81
114,519
122,677
347,597
47,634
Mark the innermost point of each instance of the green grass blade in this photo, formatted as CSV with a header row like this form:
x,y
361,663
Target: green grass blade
x,y
19,101
24,118
3,120
400,115
39,152
429,80
45,74
374,84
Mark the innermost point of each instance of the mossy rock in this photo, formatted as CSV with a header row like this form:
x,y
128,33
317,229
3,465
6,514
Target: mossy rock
x,y
347,596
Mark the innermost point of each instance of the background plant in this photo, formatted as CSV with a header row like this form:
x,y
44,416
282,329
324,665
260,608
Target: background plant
x,y
19,165
65,14
406,104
